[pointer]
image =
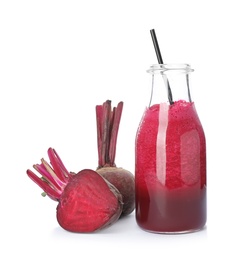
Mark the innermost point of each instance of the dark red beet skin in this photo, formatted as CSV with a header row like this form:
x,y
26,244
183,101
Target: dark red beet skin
x,y
124,181
86,201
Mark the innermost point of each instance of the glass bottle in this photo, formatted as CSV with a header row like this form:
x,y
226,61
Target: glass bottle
x,y
170,156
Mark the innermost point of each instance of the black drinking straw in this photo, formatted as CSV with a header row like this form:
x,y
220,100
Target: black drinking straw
x,y
160,61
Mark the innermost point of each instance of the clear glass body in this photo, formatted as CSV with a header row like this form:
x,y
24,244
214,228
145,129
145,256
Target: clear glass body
x,y
170,156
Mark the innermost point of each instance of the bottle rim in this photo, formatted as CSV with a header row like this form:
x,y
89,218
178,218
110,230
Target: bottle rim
x,y
170,67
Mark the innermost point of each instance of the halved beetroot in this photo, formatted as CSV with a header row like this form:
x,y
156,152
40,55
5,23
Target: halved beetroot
x,y
87,202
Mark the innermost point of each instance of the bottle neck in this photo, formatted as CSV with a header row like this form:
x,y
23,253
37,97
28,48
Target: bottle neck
x,y
170,83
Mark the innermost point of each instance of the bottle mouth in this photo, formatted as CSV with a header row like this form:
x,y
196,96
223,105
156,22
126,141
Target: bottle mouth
x,y
171,67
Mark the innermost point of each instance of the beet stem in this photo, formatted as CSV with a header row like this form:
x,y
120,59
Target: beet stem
x,y
58,165
99,132
48,174
108,121
114,133
53,194
54,179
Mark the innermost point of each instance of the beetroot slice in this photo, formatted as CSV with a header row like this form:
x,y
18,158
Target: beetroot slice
x,y
88,203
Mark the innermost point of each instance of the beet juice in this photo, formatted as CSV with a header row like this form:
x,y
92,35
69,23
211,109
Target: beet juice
x,y
170,166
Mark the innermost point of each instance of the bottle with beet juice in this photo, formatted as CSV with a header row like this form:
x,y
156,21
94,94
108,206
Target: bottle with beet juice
x,y
170,156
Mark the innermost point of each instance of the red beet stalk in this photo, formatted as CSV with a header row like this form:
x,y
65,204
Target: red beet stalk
x,y
108,121
54,178
86,201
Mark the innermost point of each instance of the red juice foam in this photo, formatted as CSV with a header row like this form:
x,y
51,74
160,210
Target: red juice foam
x,y
171,169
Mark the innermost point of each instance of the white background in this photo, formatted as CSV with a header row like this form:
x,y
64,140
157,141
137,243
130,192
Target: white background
x,y
58,59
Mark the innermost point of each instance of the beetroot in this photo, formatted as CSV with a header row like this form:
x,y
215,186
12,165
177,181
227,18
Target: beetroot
x,y
86,201
108,121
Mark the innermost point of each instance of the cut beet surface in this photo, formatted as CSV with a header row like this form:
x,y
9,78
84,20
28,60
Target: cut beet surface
x,y
88,203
